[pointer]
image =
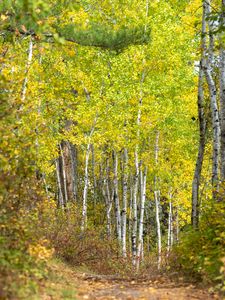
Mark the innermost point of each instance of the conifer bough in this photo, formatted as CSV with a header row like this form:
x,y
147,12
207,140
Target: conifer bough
x,y
97,36
105,37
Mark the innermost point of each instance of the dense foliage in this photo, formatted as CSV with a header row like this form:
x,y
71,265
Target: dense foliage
x,y
100,111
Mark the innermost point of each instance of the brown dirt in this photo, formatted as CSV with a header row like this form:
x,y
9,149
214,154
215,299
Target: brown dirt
x,y
107,288
79,284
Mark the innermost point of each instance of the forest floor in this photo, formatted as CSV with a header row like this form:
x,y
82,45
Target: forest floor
x,y
78,284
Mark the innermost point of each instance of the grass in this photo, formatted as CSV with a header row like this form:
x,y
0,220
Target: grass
x,y
60,284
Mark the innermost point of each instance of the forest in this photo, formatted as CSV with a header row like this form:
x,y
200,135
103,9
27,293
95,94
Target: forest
x,y
112,149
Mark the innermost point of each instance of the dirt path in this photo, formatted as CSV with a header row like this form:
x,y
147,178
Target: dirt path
x,y
67,283
106,288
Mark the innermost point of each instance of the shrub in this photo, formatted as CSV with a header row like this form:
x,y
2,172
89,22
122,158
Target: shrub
x,y
202,252
24,250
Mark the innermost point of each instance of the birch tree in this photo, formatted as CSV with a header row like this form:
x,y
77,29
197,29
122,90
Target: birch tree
x,y
157,202
140,247
86,180
108,198
116,195
124,159
222,90
28,65
202,127
208,64
63,173
170,225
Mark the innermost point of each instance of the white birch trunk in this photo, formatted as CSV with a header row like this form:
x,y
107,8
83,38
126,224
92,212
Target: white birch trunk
x,y
201,150
170,226
158,226
202,130
208,68
73,156
108,199
25,82
86,179
222,93
134,208
136,178
157,201
116,196
124,158
140,248
177,226
93,174
64,175
130,214
85,191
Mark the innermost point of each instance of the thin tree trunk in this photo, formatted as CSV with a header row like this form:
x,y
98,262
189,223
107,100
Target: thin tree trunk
x,y
60,193
222,93
148,229
116,195
124,158
108,199
101,176
64,174
85,191
25,82
73,155
93,174
202,128
157,201
170,226
140,248
46,186
201,150
86,178
177,226
130,214
134,208
136,178
208,69
158,226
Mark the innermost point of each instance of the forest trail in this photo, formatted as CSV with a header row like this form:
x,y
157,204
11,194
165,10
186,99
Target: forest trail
x,y
103,288
78,285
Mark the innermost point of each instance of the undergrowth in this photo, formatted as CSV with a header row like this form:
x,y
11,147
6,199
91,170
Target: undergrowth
x,y
201,252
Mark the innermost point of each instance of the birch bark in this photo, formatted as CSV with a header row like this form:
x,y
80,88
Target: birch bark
x,y
157,201
116,195
85,191
208,69
130,213
202,131
177,225
73,155
134,209
170,226
108,202
93,174
124,158
109,208
25,82
136,178
222,92
86,179
140,248
64,174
